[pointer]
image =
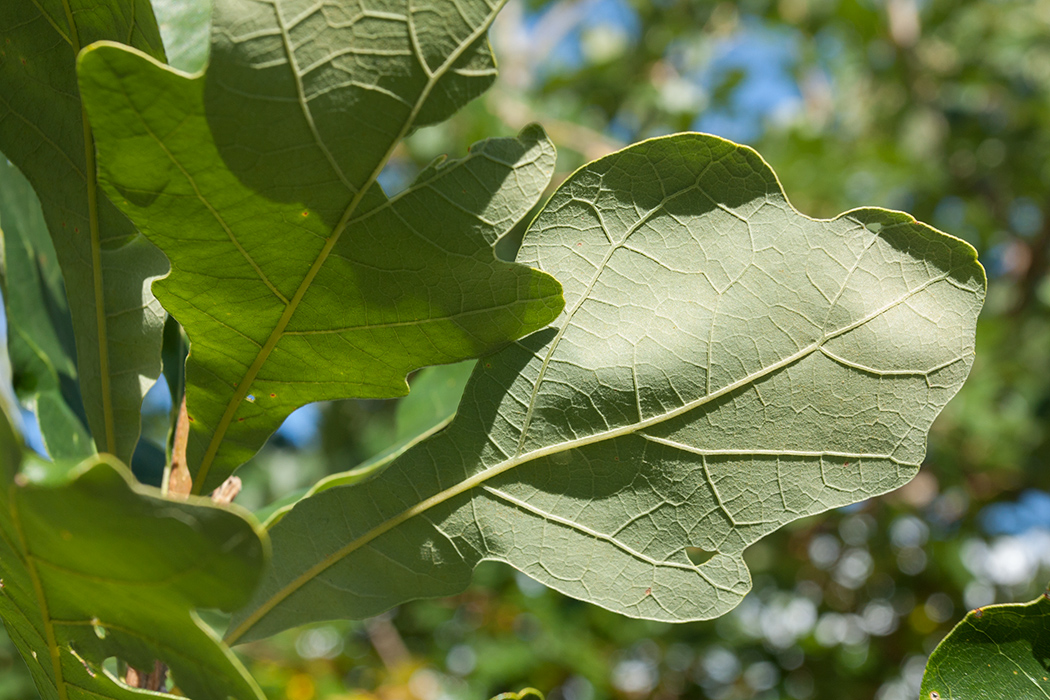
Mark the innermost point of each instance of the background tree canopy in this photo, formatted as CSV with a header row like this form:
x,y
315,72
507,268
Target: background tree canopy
x,y
934,107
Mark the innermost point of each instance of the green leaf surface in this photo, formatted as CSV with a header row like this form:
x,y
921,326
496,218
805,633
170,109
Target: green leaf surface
x,y
435,395
427,409
295,277
94,566
723,365
106,265
999,651
173,354
40,332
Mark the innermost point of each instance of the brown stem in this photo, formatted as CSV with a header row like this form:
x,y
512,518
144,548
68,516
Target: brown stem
x,y
155,680
179,483
179,480
225,494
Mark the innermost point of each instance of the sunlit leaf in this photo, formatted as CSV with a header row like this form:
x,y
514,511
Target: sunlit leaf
x,y
184,28
295,277
723,365
93,566
999,651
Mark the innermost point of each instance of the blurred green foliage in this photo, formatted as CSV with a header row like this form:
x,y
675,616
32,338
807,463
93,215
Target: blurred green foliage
x,y
935,107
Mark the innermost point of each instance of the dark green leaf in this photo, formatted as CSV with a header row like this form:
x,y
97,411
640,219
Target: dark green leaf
x,y
173,354
427,409
40,333
106,265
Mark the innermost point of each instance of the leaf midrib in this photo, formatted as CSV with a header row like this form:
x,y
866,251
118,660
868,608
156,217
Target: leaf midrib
x,y
497,469
585,294
609,539
90,179
244,385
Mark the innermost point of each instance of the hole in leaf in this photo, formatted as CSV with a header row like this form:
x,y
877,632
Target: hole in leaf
x,y
698,556
397,175
153,677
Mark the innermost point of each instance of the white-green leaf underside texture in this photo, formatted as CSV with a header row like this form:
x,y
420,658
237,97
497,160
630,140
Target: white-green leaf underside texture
x,y
723,365
296,278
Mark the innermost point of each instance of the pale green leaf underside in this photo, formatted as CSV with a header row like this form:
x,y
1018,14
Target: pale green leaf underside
x,y
183,26
95,566
723,365
1000,651
107,267
295,277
